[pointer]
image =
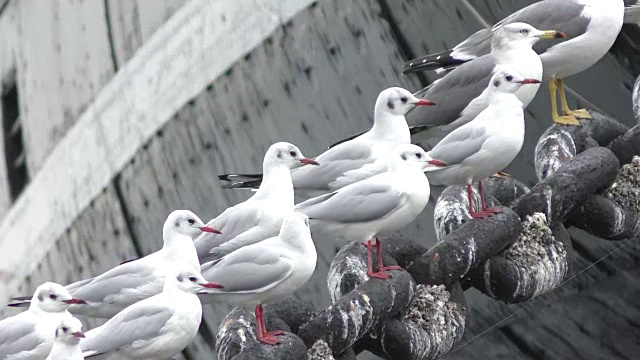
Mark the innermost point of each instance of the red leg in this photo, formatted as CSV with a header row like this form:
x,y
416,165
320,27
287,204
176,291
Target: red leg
x,y
379,274
473,213
262,334
485,208
381,267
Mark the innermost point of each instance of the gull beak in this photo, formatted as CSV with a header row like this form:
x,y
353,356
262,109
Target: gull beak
x,y
212,286
437,163
209,229
307,161
529,81
552,34
424,102
74,301
78,334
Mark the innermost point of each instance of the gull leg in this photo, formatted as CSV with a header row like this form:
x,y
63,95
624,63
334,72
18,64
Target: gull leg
x,y
381,267
562,120
379,274
580,113
473,213
263,335
485,209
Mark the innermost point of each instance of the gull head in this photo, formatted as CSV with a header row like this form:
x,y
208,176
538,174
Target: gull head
x,y
69,331
398,101
190,281
515,34
185,222
285,154
508,80
415,156
53,298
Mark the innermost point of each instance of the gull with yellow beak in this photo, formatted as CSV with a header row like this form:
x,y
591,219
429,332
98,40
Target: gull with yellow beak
x,y
465,88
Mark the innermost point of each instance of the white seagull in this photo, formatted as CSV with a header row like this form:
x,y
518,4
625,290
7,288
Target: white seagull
x,y
488,143
158,327
30,335
381,203
67,343
261,216
461,92
265,271
130,282
389,129
591,27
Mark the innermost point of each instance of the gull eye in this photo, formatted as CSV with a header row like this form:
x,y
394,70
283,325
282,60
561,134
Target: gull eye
x,y
53,296
292,153
65,329
419,156
192,279
191,221
509,78
524,31
404,99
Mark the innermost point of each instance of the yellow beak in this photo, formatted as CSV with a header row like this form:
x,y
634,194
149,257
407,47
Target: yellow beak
x,y
552,34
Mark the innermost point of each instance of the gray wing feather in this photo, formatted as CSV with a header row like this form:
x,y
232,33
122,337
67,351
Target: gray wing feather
x,y
17,335
454,92
129,275
251,269
363,201
459,145
137,323
333,163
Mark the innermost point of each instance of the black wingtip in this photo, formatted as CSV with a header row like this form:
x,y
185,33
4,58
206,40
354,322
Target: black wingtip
x,y
243,185
22,298
418,129
20,304
431,62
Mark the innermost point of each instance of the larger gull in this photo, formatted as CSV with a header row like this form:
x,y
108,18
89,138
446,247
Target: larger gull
x,y
465,87
130,282
158,327
265,271
488,143
382,203
591,27
261,216
30,335
389,129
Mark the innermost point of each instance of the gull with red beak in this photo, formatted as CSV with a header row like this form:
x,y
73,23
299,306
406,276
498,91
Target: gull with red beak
x,y
382,203
389,129
130,282
261,216
30,335
159,327
488,143
66,345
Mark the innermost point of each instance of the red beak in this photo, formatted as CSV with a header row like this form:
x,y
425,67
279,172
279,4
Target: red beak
x,y
74,301
309,161
530,81
212,286
78,334
560,35
209,230
437,163
424,102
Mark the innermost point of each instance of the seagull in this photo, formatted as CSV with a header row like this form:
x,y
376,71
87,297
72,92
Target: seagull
x,y
465,87
130,282
261,216
158,327
381,203
488,143
265,271
389,129
30,335
591,26
66,345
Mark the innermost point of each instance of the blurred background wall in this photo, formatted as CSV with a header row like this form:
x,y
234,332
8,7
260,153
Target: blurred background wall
x,y
116,112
